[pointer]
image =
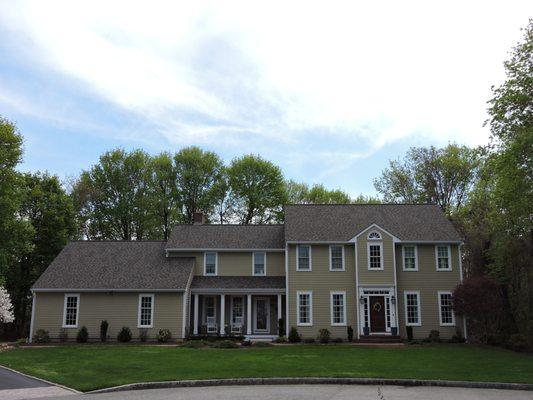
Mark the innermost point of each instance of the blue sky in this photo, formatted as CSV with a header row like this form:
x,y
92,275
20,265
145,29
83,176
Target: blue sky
x,y
330,92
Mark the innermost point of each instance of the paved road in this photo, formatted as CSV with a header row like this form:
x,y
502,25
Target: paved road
x,y
312,392
14,386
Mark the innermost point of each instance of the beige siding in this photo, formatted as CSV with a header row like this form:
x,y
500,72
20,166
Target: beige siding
x,y
321,281
428,281
119,309
235,263
375,277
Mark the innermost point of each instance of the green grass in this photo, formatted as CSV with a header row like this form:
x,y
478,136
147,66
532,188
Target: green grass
x,y
92,367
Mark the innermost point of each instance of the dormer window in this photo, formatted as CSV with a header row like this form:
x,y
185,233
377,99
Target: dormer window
x,y
374,236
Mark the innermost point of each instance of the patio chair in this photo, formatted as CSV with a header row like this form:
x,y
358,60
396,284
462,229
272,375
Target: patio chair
x,y
211,325
236,325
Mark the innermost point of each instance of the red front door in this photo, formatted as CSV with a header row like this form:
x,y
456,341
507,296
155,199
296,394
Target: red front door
x,y
377,314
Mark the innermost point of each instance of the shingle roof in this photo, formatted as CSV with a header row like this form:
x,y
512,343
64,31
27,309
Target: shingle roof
x,y
110,265
207,236
408,222
238,282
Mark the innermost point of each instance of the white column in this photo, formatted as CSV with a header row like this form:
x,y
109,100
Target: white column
x,y
222,316
249,315
195,326
279,308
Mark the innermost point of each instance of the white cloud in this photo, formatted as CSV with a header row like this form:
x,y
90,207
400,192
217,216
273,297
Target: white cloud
x,y
364,74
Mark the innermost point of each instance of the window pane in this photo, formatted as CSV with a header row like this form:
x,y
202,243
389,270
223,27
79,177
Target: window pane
x,y
210,263
303,257
412,308
71,311
409,257
336,257
259,263
443,257
338,308
304,311
446,308
146,310
375,256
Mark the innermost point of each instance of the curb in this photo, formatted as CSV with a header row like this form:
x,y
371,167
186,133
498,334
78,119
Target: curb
x,y
42,380
314,381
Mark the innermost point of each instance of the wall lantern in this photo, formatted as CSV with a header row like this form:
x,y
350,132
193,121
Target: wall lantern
x,y
362,300
393,300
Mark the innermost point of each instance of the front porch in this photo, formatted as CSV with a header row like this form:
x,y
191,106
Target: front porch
x,y
253,314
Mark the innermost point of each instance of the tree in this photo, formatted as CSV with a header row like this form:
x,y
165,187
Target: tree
x,y
301,193
164,201
430,175
197,174
259,190
224,208
6,309
112,197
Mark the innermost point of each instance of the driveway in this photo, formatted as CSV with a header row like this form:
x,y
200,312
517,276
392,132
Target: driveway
x,y
14,386
312,392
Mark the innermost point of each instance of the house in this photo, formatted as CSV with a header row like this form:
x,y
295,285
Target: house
x,y
375,268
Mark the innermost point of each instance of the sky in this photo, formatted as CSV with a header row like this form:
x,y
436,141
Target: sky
x,y
329,91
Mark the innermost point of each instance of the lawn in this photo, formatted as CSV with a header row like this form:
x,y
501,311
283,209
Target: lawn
x,y
90,367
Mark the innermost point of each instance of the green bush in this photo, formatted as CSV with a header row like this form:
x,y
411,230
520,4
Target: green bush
x,y
224,344
350,333
518,342
83,335
63,335
281,327
261,344
337,340
143,334
103,330
281,339
409,330
20,342
323,335
246,343
164,335
194,344
124,335
457,338
309,340
41,336
294,336
434,336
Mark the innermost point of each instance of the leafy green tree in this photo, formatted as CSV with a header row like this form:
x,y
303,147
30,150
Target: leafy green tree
x,y
430,175
259,190
225,201
198,173
112,198
301,193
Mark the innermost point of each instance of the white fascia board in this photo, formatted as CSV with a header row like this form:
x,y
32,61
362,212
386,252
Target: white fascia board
x,y
108,290
375,226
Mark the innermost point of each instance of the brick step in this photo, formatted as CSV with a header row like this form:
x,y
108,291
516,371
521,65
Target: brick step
x,y
380,339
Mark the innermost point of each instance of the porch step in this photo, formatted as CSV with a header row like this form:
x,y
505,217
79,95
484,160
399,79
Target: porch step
x,y
380,339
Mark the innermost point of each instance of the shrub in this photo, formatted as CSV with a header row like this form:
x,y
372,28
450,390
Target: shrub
x,y
323,335
409,330
337,340
103,330
350,333
195,344
261,344
246,343
281,339
124,335
309,340
41,336
281,327
21,341
83,335
224,344
457,338
294,336
63,335
164,335
434,336
143,334
518,342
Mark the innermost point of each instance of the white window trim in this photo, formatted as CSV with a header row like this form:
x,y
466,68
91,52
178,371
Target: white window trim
x,y
440,309
141,295
298,258
417,292
343,293
416,257
376,243
204,308
205,263
331,259
64,325
437,257
231,309
264,261
310,293
371,232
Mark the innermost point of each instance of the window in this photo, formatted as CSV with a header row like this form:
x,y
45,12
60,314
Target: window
x,y
70,311
303,261
374,236
338,308
442,254
447,318
146,310
210,263
209,307
336,258
375,261
412,308
259,263
410,259
237,310
305,308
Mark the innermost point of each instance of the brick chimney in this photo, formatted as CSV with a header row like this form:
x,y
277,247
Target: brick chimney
x,y
198,218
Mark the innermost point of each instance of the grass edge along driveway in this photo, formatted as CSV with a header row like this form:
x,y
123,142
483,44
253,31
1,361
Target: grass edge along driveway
x,y
90,367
